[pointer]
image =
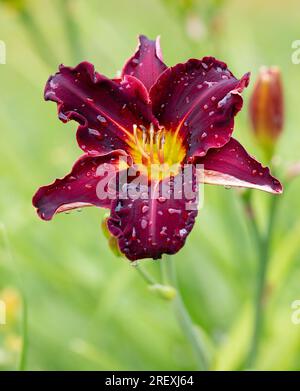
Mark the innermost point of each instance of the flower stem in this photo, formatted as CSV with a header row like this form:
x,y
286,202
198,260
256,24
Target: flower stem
x,y
146,277
263,243
11,261
184,319
23,354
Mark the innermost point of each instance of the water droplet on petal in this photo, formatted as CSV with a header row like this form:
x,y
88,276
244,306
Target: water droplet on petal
x,y
174,211
101,119
62,116
182,232
144,223
94,132
163,231
145,208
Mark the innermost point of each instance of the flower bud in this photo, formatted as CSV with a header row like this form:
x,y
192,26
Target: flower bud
x,y
166,292
267,108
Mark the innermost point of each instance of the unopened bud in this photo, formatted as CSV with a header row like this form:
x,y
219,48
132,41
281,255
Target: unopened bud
x,y
166,292
267,109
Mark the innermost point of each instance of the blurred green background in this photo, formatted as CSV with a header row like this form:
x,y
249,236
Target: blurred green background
x,y
87,309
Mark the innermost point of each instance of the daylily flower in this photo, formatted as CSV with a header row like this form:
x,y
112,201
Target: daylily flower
x,y
151,115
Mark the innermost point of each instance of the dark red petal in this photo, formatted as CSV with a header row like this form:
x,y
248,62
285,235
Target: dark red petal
x,y
105,109
148,228
231,165
78,188
146,64
198,101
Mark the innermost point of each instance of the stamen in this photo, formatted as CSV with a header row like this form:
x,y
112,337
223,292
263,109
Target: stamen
x,y
137,142
160,140
144,136
151,142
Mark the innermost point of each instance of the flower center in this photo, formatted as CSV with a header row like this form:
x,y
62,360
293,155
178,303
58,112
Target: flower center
x,y
158,152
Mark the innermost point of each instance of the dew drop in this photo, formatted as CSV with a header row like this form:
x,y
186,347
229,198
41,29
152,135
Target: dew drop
x,y
163,231
101,119
174,211
144,223
62,116
182,232
94,132
133,235
145,208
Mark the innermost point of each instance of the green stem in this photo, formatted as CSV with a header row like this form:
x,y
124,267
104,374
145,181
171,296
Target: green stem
x,y
263,243
23,355
184,319
146,277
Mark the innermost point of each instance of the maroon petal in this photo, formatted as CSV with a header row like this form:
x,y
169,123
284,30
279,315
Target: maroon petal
x,y
146,64
149,227
79,188
198,100
105,109
231,165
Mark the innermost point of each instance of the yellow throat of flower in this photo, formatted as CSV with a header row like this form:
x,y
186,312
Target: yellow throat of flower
x,y
157,153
